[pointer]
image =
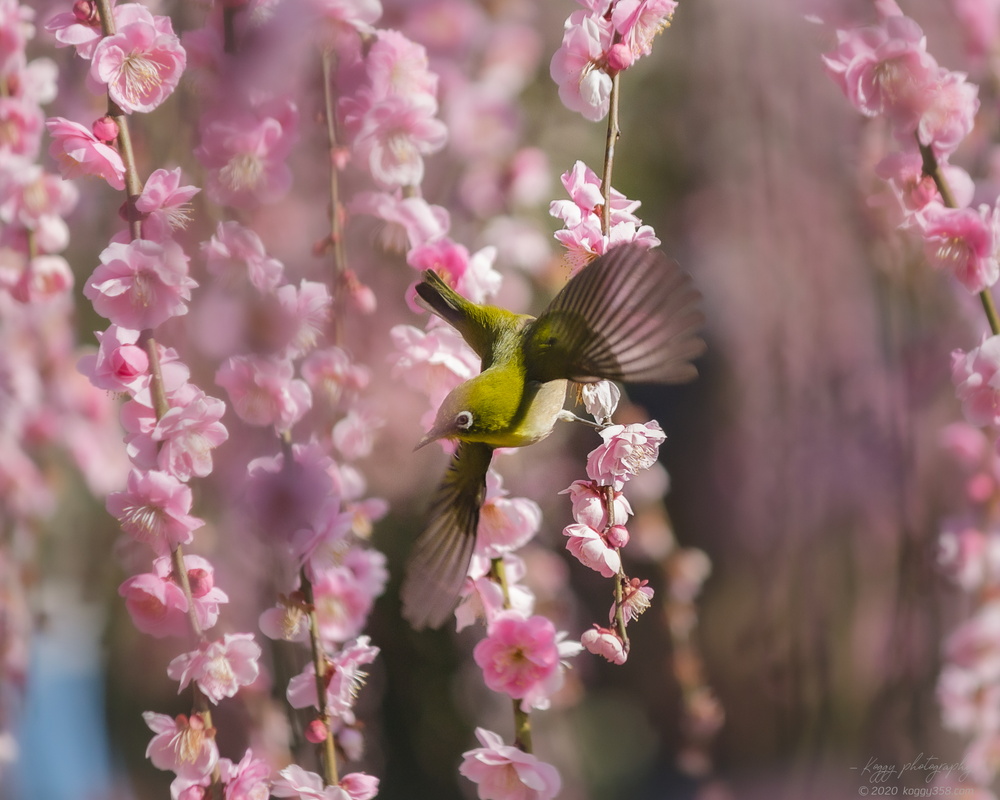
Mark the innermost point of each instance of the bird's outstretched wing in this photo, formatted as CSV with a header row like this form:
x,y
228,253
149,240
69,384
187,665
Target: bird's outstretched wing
x,y
630,315
440,558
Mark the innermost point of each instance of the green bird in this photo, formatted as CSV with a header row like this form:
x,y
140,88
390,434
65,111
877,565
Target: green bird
x,y
630,315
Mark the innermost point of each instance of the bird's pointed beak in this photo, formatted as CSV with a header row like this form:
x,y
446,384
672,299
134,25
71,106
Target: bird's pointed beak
x,y
429,437
441,430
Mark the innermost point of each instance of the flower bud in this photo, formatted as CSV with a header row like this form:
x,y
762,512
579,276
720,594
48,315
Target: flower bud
x,y
85,12
361,296
105,129
605,642
620,57
201,581
316,731
617,536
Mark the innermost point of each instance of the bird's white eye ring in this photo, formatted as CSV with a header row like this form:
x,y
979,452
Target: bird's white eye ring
x,y
463,420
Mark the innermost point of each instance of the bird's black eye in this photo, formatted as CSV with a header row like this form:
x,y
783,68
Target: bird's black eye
x,y
463,420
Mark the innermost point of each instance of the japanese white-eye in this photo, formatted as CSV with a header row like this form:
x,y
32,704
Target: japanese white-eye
x,y
630,315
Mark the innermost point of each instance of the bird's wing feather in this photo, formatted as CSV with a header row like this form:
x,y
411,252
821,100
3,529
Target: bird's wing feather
x,y
630,315
440,558
477,326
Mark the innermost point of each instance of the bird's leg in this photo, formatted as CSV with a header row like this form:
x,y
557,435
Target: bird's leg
x,y
569,416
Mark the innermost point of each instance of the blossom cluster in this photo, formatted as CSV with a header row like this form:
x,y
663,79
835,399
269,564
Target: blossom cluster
x,y
600,511
33,201
172,426
968,687
583,235
885,70
600,40
52,420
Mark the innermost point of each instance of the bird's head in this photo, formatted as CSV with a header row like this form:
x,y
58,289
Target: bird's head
x,y
457,418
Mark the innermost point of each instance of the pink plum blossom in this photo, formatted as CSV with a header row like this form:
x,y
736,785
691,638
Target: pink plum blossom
x,y
577,66
21,125
119,365
330,372
78,153
915,190
235,253
156,604
182,745
976,376
482,597
965,443
187,435
588,499
605,643
305,309
141,64
969,556
627,450
220,667
434,361
325,543
587,240
968,703
153,508
359,785
639,21
44,278
354,434
283,498
15,30
395,65
505,523
165,204
975,644
949,113
357,14
885,69
201,578
592,549
38,201
345,680
141,284
503,772
583,235
343,603
263,391
411,221
81,27
688,570
520,657
287,620
393,136
473,277
37,81
245,154
636,597
247,780
294,781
